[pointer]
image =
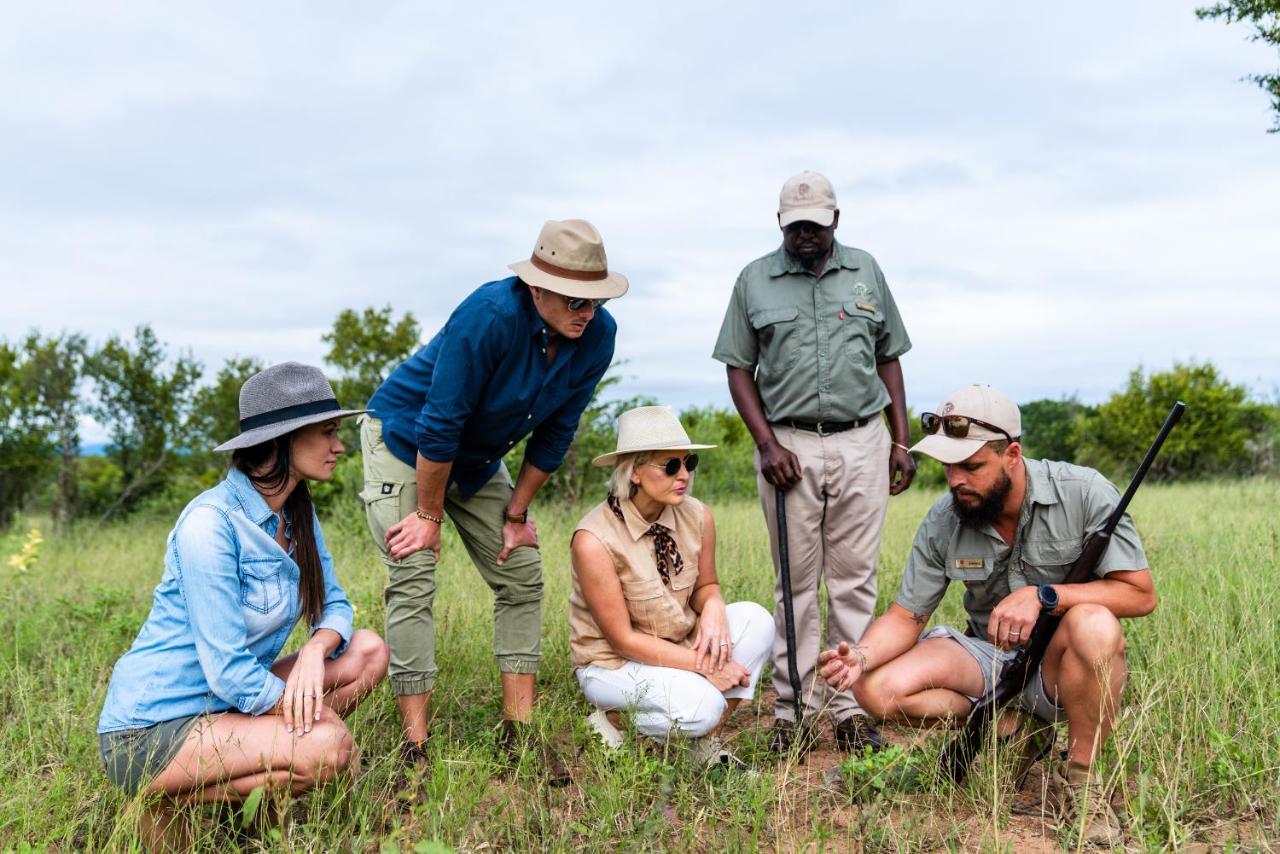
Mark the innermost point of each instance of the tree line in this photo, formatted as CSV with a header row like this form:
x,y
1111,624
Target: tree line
x,y
163,414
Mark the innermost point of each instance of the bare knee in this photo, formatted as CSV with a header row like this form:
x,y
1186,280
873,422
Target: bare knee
x,y
371,652
324,752
875,694
1093,633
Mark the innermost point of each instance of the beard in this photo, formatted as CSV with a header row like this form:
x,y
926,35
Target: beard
x,y
988,507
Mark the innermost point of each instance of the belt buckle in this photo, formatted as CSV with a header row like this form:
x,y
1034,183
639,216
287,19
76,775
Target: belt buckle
x,y
818,426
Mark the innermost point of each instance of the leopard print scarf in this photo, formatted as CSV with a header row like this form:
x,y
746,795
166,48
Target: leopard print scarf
x,y
664,545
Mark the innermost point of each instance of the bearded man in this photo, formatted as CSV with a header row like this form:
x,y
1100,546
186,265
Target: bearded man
x,y
1009,530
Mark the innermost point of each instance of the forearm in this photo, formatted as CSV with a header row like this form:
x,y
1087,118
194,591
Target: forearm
x,y
648,649
528,482
746,399
705,594
1118,597
891,375
890,636
433,478
325,641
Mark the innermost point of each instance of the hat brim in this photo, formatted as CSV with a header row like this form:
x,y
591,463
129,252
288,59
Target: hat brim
x,y
267,432
946,450
610,458
822,216
611,286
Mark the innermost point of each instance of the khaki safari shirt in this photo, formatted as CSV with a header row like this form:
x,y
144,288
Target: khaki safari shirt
x,y
1064,503
814,344
655,608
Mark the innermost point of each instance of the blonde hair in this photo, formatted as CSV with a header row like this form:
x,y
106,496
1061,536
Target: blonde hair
x,y
625,465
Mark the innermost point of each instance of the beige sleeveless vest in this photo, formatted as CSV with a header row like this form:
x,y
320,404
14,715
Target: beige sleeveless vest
x,y
654,607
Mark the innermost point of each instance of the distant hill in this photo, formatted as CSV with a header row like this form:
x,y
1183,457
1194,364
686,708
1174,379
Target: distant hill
x,y
97,449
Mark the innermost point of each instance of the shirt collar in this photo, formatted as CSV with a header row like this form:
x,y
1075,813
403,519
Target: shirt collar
x,y
783,264
1039,487
637,527
254,505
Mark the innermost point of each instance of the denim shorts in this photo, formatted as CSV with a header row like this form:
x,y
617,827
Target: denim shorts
x,y
991,661
133,757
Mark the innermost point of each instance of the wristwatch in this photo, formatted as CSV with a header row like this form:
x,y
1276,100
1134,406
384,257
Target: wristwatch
x,y
1048,597
518,518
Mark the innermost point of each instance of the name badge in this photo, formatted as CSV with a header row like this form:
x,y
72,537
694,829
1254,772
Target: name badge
x,y
970,563
862,306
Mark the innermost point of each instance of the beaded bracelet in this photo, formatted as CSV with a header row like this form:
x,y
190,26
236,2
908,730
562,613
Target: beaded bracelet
x,y
427,517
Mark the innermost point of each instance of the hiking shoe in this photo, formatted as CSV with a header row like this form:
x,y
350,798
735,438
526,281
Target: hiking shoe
x,y
856,732
609,734
412,763
515,737
1075,796
785,736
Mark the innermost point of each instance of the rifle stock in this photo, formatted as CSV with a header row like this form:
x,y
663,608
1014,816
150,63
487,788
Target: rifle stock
x,y
960,752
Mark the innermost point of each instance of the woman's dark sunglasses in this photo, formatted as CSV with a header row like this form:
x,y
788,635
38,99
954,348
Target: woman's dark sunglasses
x,y
955,426
672,466
579,303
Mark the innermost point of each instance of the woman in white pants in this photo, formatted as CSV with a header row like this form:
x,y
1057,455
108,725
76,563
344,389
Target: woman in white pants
x,y
650,632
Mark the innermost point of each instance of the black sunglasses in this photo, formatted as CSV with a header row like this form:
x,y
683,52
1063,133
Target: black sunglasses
x,y
579,303
672,466
955,426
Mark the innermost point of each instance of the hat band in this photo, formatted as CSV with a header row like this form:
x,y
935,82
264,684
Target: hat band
x,y
275,416
577,275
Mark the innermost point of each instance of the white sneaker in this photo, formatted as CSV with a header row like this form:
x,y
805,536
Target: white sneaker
x,y
603,727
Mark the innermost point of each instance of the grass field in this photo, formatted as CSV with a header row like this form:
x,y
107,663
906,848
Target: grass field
x,y
1196,758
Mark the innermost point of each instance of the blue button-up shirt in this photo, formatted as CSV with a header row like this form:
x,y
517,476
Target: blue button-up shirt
x,y
224,607
483,383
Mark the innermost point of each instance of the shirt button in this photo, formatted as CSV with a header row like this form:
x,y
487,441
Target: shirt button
x,y
529,417
512,442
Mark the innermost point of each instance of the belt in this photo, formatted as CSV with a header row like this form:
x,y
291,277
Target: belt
x,y
825,428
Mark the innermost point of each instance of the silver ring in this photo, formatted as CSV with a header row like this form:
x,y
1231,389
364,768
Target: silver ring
x,y
724,643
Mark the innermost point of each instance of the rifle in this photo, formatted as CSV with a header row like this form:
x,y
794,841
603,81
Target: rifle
x,y
959,754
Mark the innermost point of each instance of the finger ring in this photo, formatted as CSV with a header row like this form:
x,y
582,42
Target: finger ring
x,y
724,643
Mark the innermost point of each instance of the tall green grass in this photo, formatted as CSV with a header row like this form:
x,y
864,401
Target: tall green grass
x,y
1196,757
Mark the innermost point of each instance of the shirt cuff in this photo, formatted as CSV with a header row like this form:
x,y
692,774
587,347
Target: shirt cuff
x,y
734,361
267,697
340,624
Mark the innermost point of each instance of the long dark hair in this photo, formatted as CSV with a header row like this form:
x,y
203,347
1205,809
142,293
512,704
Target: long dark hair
x,y
267,466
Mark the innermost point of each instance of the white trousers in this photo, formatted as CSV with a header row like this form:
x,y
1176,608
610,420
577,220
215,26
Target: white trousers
x,y
664,700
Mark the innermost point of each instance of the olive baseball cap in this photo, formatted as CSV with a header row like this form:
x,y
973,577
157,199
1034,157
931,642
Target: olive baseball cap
x,y
982,403
809,197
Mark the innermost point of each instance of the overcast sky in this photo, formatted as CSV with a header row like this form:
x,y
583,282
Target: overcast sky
x,y
1056,194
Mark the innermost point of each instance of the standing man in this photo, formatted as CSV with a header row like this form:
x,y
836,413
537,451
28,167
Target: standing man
x,y
519,357
811,341
1009,530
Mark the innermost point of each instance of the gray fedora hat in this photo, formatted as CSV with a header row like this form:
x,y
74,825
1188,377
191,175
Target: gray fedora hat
x,y
283,398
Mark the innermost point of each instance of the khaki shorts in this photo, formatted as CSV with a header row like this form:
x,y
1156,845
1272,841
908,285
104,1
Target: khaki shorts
x,y
132,757
991,661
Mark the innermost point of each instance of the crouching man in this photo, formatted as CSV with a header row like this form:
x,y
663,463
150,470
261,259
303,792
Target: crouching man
x,y
1009,530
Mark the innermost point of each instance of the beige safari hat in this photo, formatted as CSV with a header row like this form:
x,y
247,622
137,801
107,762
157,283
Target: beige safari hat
x,y
569,259
808,196
979,402
648,428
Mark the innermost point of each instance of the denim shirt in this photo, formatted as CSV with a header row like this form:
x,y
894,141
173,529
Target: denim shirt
x,y
483,383
224,607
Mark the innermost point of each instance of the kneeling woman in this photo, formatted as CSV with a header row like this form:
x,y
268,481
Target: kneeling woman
x,y
199,708
650,631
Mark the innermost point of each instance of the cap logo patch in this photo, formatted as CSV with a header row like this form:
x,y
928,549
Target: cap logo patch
x,y
802,190
948,408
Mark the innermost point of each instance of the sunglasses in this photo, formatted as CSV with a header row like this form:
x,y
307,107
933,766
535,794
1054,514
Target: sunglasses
x,y
672,466
955,426
579,303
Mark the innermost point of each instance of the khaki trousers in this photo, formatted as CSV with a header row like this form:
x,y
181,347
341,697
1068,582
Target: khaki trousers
x,y
390,494
835,516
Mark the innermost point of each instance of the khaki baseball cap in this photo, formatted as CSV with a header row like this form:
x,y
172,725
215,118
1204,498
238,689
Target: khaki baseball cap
x,y
982,403
809,197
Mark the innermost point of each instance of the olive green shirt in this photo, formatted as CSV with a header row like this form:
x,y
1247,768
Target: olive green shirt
x,y
813,344
1064,503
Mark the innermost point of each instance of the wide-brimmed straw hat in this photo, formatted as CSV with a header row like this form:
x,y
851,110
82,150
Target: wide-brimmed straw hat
x,y
648,428
569,259
281,399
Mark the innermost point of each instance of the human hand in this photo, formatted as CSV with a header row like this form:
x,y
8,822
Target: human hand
x,y
731,675
303,695
902,470
516,534
779,466
413,534
1013,619
842,666
712,646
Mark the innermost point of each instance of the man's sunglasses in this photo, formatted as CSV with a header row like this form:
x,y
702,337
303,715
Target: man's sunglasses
x,y
955,426
579,303
672,466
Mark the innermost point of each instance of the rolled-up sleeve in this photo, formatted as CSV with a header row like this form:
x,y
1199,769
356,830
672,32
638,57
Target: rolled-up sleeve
x,y
737,345
924,579
338,614
551,439
206,557
470,347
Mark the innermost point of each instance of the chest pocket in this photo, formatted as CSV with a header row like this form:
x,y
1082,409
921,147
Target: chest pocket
x,y
778,336
970,570
261,585
1047,561
859,332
